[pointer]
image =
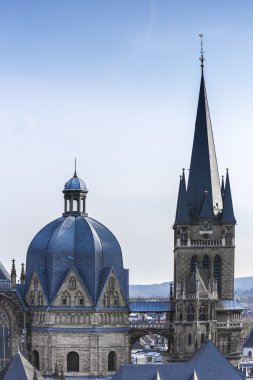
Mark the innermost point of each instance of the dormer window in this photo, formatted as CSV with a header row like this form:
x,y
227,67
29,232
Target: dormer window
x,y
65,299
72,283
32,298
116,299
106,300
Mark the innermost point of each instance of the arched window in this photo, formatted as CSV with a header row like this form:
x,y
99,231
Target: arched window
x,y
40,298
205,262
203,338
72,362
35,283
65,299
106,301
202,313
36,359
32,298
190,312
194,263
72,283
217,271
75,205
250,354
111,283
116,299
4,337
112,361
189,339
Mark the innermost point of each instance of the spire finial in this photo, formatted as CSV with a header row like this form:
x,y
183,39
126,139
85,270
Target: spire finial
x,y
202,58
75,175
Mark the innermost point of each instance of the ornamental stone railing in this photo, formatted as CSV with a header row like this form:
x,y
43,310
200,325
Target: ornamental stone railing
x,y
153,325
229,325
206,242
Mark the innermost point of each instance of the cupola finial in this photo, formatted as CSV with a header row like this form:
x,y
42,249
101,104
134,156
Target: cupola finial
x,y
201,58
75,175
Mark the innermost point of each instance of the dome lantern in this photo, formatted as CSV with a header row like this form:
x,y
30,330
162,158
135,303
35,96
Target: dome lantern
x,y
75,193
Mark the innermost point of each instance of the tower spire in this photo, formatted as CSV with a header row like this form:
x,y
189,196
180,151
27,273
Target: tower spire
x,y
204,175
182,213
75,175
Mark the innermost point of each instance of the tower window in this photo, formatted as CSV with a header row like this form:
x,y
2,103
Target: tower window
x,y
194,263
205,262
190,312
202,313
189,339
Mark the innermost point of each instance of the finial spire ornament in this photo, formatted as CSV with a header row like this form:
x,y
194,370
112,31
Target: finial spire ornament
x,y
202,58
75,175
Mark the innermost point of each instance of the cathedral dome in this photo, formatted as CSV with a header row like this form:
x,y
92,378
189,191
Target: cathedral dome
x,y
74,241
75,183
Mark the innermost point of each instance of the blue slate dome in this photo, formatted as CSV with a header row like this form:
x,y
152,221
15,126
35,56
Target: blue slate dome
x,y
75,183
75,241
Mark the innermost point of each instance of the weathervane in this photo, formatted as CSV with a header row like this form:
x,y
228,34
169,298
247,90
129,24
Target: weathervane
x,y
202,58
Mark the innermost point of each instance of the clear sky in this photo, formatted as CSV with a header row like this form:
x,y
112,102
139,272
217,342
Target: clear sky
x,y
115,83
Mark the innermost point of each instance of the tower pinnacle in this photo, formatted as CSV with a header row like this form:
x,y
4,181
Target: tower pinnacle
x,y
201,58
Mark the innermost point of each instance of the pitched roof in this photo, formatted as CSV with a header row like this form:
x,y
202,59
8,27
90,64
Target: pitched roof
x,y
208,364
197,282
249,339
20,369
204,174
4,274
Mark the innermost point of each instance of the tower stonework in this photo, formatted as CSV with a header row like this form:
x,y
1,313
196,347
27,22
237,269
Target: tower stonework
x,y
204,250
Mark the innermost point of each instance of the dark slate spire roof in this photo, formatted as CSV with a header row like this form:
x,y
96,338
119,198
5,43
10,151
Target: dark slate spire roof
x,y
228,211
206,209
182,213
20,369
204,174
222,187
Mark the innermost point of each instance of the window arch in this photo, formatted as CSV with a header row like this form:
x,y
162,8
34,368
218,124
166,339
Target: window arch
x,y
36,359
205,262
202,313
190,312
194,263
116,299
106,301
112,361
250,354
4,337
72,283
111,283
72,362
217,271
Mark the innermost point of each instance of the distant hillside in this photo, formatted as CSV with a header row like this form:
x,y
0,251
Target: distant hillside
x,y
162,290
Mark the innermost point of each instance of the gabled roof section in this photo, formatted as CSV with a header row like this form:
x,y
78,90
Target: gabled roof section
x,y
104,278
197,283
204,174
20,369
182,213
42,286
228,210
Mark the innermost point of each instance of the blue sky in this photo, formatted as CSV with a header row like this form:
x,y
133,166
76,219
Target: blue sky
x,y
115,83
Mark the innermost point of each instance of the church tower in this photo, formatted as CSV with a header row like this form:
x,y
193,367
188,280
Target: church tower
x,y
204,248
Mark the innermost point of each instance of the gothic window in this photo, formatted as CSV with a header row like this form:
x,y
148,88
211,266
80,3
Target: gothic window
x,y
111,283
72,362
65,299
194,263
116,299
189,339
72,283
35,283
205,262
203,338
112,361
250,354
32,298
40,298
180,312
4,338
217,271
228,235
36,359
202,313
190,312
106,301
79,299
